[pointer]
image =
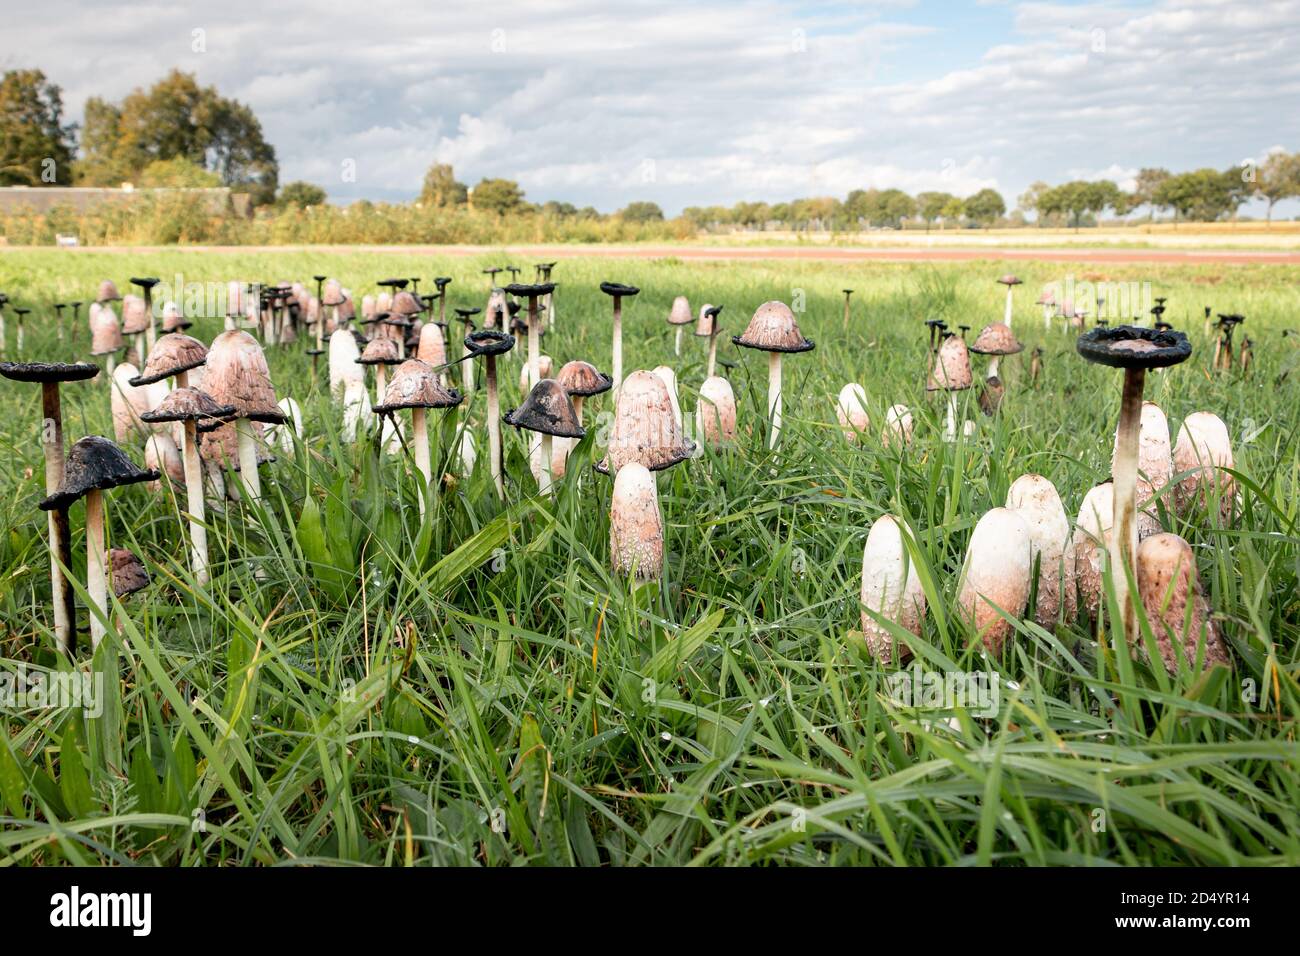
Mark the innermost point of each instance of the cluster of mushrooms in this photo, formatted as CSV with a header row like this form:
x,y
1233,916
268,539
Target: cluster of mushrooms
x,y
207,414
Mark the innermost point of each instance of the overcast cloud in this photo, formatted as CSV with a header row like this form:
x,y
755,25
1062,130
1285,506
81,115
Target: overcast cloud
x,y
706,102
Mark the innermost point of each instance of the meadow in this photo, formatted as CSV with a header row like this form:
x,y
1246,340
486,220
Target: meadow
x,y
358,685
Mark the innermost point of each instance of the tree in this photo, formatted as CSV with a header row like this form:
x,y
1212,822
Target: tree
x,y
953,210
930,206
441,189
642,212
879,207
500,196
1203,195
1278,178
1145,188
176,118
1028,200
36,148
301,195
1077,199
985,207
177,173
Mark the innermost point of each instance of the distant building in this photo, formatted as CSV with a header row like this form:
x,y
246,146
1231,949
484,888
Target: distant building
x,y
14,200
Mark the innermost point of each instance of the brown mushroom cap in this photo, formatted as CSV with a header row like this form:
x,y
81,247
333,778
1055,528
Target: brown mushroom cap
x,y
548,411
381,351
415,385
1167,583
773,329
706,324
583,378
105,332
188,404
1009,280
951,370
171,355
237,375
128,572
645,427
996,339
108,292
135,317
406,304
332,293
680,314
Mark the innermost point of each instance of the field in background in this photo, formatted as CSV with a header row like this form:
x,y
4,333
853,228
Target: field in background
x,y
358,685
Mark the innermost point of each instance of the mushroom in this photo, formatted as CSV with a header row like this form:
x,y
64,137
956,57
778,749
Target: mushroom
x,y
618,292
678,316
494,312
707,327
669,378
1155,465
1035,498
489,343
492,274
773,330
848,294
1048,301
108,292
4,346
51,376
851,410
344,367
1091,543
415,386
127,572
1134,350
1170,590
1035,366
544,275
995,340
466,369
357,411
382,353
146,287
1203,456
645,429
715,413
898,427
636,528
283,435
950,373
995,575
173,355
891,588
129,402
162,455
545,365
1010,282
94,465
191,407
105,337
237,375
532,293
20,315
580,380
547,411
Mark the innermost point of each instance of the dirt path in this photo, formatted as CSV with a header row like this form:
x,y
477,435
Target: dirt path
x,y
742,253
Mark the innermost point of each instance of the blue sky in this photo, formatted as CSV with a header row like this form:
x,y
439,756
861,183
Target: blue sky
x,y
605,101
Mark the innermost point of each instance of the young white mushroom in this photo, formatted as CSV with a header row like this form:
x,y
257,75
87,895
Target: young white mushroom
x,y
237,375
950,373
162,455
645,429
996,574
715,414
105,337
773,330
890,587
636,528
344,368
357,411
135,323
1170,590
1091,543
678,317
898,427
669,378
281,436
1201,455
851,410
1036,500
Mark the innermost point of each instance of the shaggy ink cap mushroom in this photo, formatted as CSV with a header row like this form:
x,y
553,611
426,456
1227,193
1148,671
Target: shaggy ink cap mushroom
x,y
415,385
583,379
237,374
171,355
43,372
189,404
995,339
548,411
380,352
773,329
618,290
129,574
526,290
95,464
467,315
1129,347
489,342
1009,280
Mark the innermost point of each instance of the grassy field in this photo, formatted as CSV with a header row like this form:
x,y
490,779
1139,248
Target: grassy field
x,y
356,685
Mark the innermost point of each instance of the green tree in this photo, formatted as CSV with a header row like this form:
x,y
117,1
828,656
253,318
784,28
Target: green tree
x,y
953,210
500,196
1145,188
642,211
301,194
1278,178
177,118
36,147
930,206
1203,195
177,173
441,189
1028,200
985,207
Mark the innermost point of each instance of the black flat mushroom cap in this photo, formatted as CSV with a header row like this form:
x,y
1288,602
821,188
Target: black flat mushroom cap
x,y
442,282
548,411
530,290
147,282
617,289
1131,346
48,371
95,464
489,342
466,315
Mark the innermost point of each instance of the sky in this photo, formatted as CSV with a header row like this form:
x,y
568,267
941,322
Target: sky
x,y
602,102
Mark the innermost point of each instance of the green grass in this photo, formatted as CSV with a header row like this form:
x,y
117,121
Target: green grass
x,y
358,686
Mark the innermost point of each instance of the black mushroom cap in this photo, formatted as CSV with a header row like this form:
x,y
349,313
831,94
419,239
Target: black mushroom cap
x,y
547,410
489,342
48,371
394,283
847,291
513,307
442,282
617,289
1132,346
530,290
95,464
188,404
128,572
320,278
466,315
146,282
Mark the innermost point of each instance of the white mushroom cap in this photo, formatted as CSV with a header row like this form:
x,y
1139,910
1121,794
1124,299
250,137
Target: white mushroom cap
x,y
715,414
898,427
996,572
1091,538
890,587
851,410
1203,448
636,531
1167,584
545,365
282,435
669,378
162,455
432,348
1035,498
344,353
356,410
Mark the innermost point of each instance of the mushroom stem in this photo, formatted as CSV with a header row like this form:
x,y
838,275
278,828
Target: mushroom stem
x,y
96,566
65,606
550,305
248,458
544,475
420,426
139,348
774,396
618,343
151,333
846,313
1124,537
195,504
1006,320
677,346
577,406
381,383
534,345
110,364
3,344
713,353
993,366
20,335
950,425
466,371
494,425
